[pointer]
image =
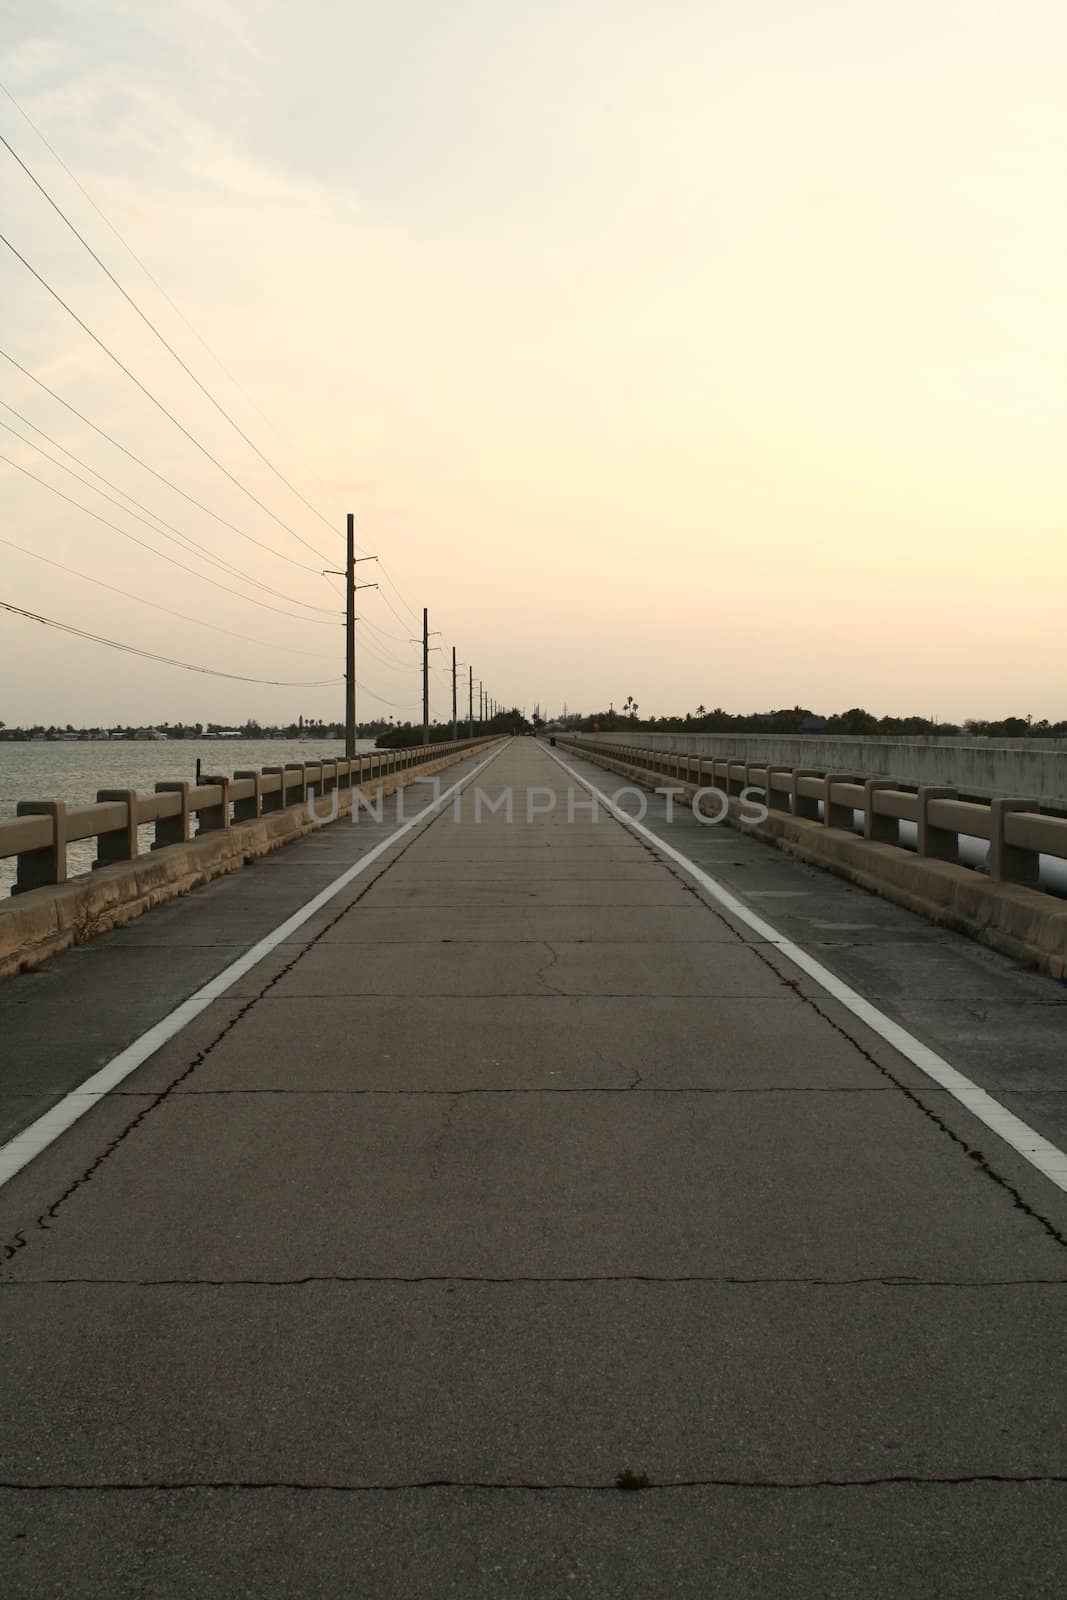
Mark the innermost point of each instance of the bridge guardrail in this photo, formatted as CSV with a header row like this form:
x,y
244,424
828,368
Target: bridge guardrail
x,y
41,831
1017,831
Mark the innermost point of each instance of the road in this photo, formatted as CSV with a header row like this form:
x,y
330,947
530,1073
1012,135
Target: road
x,y
517,1166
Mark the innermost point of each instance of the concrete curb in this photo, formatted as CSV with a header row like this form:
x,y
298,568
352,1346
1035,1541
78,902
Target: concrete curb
x,y
36,926
1023,923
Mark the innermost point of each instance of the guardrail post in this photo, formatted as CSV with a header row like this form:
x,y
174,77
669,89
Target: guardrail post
x,y
215,819
833,814
121,844
1010,863
300,784
877,828
173,830
275,801
735,777
249,809
751,768
777,797
939,844
39,868
805,805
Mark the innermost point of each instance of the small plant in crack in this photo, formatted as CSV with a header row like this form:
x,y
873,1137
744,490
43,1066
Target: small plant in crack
x,y
86,925
631,1481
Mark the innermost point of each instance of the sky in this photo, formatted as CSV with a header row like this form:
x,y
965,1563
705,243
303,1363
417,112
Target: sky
x,y
705,351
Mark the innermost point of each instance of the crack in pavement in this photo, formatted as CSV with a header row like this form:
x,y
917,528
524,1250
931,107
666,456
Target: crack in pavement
x,y
521,994
529,1485
762,948
553,958
19,1240
685,1088
438,1142
881,1281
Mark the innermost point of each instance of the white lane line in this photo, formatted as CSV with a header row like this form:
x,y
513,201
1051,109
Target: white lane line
x,y
22,1148
1023,1139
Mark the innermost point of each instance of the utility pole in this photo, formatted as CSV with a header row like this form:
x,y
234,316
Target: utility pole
x,y
426,637
453,693
349,575
470,702
350,641
425,676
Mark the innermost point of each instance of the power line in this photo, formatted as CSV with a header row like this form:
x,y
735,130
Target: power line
x,y
167,346
171,417
393,609
150,324
126,452
203,577
399,593
182,539
384,661
187,538
268,644
384,634
410,705
387,654
150,655
223,368
149,395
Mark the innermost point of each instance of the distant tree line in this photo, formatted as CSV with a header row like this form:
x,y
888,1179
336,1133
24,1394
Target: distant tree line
x,y
798,719
391,734
302,728
388,732
406,734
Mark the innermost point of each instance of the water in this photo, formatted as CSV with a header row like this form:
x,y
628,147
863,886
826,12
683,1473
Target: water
x,y
74,771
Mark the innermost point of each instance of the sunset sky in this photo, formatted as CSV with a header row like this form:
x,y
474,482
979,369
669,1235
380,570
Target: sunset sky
x,y
705,352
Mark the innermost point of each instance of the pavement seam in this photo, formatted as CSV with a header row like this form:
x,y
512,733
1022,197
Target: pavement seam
x,y
530,1485
635,1086
886,1281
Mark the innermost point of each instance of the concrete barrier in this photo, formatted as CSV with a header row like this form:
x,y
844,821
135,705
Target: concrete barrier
x,y
1002,767
1010,916
41,922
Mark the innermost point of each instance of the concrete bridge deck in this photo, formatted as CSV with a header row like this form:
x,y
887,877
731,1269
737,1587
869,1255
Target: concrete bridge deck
x,y
520,1164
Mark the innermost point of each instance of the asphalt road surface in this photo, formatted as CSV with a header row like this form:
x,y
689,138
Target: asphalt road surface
x,y
518,1166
